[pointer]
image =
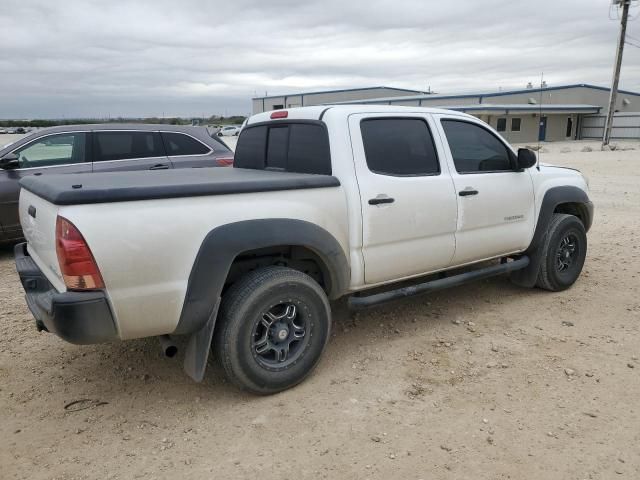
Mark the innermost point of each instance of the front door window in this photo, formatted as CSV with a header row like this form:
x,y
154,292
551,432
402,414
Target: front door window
x,y
53,150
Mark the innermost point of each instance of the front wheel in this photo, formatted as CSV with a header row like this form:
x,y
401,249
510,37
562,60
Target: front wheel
x,y
273,326
564,252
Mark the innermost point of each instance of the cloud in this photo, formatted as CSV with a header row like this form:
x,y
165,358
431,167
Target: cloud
x,y
122,58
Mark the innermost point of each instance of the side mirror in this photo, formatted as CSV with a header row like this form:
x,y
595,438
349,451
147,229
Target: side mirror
x,y
526,158
10,161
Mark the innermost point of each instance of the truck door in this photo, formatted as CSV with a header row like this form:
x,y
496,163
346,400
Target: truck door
x,y
495,201
407,196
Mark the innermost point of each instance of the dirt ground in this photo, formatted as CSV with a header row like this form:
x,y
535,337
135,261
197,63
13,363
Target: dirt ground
x,y
487,381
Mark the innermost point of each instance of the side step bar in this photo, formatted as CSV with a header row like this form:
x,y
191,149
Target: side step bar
x,y
358,302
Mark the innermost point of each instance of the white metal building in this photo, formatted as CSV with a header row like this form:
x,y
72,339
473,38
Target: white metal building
x,y
624,126
552,113
531,114
276,102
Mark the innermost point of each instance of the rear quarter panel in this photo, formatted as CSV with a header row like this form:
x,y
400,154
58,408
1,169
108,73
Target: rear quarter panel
x,y
145,249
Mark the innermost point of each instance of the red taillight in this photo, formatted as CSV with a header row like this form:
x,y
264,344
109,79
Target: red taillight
x,y
224,161
78,267
279,114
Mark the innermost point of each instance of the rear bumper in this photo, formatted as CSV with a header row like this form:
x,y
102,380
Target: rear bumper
x,y
77,317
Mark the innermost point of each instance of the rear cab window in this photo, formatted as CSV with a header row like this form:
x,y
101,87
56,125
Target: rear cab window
x,y
300,146
277,147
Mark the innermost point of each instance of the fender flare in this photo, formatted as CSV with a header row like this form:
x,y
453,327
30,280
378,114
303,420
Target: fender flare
x,y
223,244
213,261
553,197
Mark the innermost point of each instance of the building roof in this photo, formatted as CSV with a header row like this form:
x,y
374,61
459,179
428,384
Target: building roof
x,y
485,94
339,91
318,112
525,107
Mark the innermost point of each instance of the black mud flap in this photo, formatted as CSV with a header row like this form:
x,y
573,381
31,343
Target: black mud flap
x,y
527,277
197,353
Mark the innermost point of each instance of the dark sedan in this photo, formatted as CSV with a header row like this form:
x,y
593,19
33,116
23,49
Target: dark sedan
x,y
100,148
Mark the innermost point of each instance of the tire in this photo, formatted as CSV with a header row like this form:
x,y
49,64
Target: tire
x,y
273,326
563,253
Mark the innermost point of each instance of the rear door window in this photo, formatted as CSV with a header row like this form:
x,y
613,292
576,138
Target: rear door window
x,y
53,150
301,147
399,146
179,144
122,145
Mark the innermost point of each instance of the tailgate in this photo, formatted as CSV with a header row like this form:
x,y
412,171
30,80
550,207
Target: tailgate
x,y
38,220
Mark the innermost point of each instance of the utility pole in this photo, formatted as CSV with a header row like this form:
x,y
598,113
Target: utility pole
x,y
616,70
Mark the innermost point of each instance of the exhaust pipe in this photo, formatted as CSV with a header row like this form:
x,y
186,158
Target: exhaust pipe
x,y
168,347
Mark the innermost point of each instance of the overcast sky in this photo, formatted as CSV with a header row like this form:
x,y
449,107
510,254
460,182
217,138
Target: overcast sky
x,y
141,58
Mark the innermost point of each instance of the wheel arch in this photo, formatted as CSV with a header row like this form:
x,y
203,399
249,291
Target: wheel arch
x,y
577,209
302,258
563,199
224,244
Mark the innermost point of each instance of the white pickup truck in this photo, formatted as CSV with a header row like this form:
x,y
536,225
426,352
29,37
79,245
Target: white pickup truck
x,y
322,202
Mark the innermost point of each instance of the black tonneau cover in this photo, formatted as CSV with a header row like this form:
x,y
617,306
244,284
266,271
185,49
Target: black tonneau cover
x,y
83,188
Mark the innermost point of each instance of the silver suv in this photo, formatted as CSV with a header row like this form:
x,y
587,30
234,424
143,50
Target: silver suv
x,y
100,148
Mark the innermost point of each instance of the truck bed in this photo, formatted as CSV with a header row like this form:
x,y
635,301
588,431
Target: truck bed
x,y
86,188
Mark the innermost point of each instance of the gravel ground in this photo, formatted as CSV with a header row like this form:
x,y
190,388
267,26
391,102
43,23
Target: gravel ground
x,y
487,381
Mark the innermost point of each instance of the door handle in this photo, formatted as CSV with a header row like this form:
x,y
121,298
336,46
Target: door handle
x,y
381,199
468,192
160,166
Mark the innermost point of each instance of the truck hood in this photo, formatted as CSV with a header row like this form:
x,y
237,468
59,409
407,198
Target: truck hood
x,y
545,164
566,172
551,166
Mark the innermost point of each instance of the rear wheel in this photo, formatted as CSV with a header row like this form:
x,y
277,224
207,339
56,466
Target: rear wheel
x,y
564,252
273,326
